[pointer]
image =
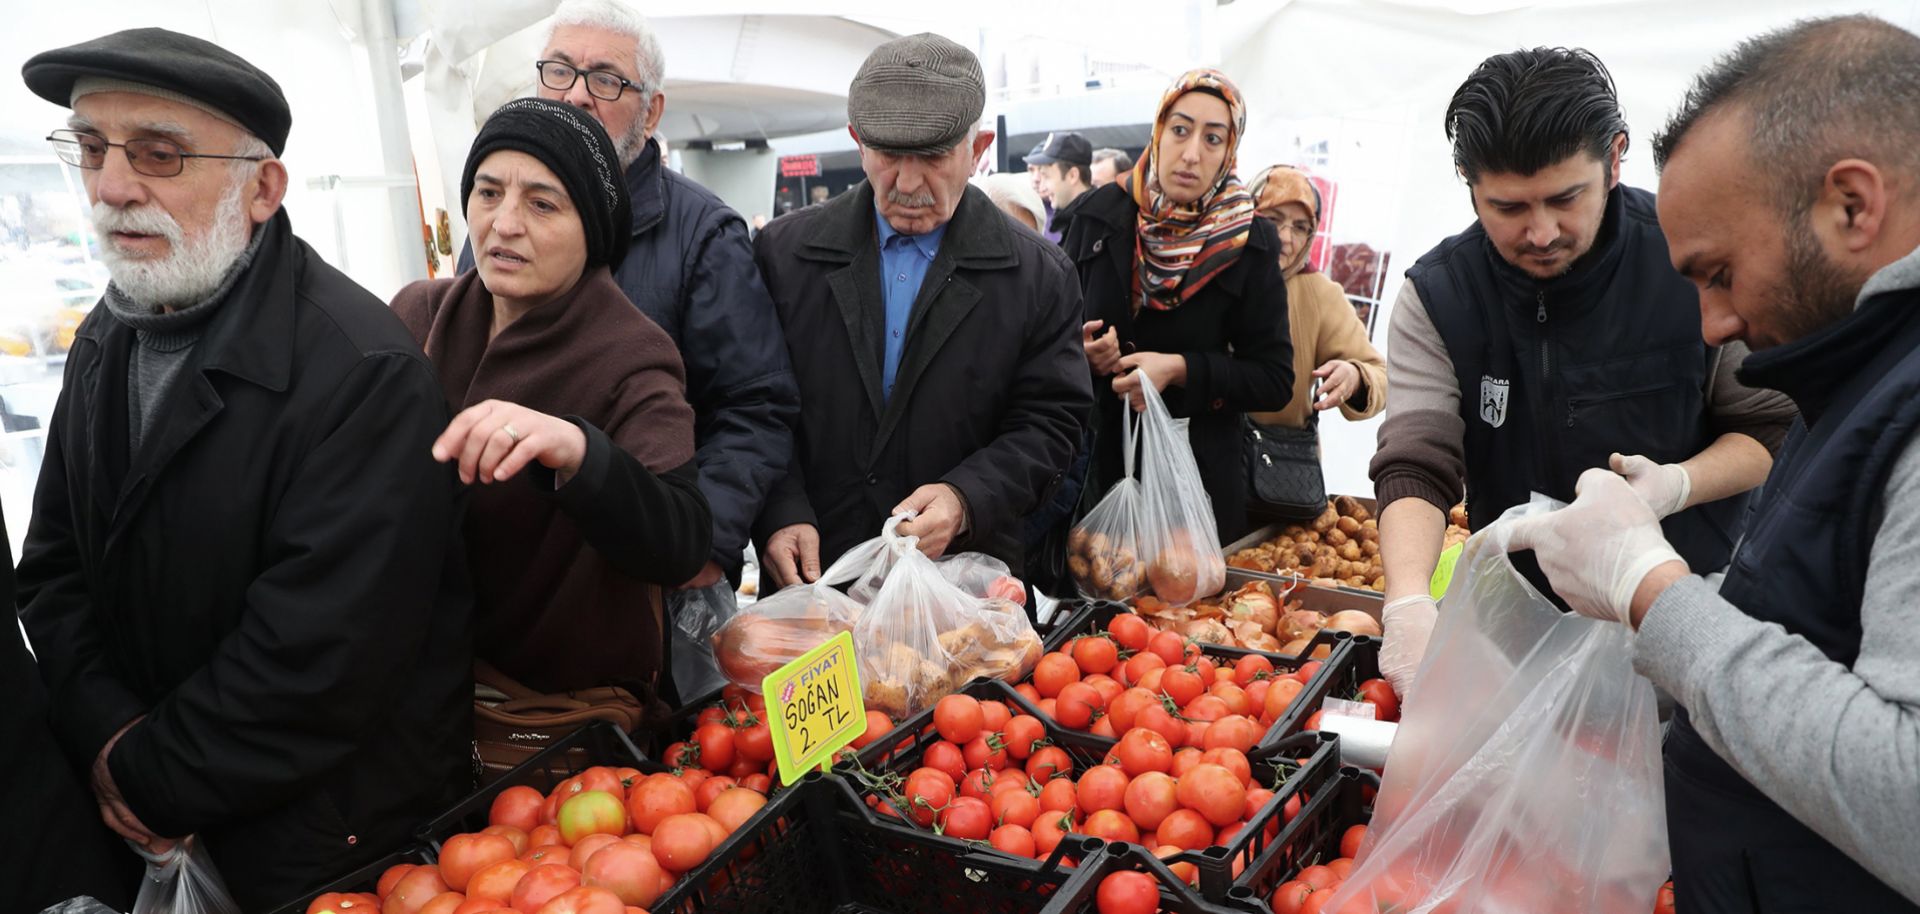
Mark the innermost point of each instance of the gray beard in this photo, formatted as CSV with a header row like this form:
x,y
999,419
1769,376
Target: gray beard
x,y
193,268
628,145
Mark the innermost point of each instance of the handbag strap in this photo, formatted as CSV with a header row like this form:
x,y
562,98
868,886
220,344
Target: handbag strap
x,y
488,675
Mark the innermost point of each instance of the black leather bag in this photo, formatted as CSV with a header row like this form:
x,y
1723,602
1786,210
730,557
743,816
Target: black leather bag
x,y
1283,470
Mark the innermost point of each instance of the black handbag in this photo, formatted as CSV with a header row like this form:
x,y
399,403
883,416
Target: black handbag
x,y
1283,470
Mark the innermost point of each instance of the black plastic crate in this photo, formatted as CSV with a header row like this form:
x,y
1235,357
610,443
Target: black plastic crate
x,y
1175,896
1069,620
817,857
364,879
1326,679
899,752
1312,837
598,743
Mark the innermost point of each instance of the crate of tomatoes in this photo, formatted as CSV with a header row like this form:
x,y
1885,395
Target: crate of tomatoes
x,y
1126,879
1115,671
820,857
361,891
1316,851
976,770
588,824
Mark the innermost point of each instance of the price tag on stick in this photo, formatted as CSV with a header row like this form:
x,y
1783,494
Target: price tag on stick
x,y
814,706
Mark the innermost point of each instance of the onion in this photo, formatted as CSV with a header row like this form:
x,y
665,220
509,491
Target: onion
x,y
1208,630
1355,621
1299,623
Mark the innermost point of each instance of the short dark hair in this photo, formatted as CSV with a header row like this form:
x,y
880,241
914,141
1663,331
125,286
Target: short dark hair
x,y
1121,161
1817,91
1086,171
1523,111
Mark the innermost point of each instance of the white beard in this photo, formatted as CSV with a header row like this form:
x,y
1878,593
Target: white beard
x,y
193,267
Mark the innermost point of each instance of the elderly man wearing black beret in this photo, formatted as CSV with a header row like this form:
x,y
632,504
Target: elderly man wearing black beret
x,y
937,343
242,578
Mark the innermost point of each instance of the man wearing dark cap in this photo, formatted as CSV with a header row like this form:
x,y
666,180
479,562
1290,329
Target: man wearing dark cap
x,y
242,577
937,346
1064,162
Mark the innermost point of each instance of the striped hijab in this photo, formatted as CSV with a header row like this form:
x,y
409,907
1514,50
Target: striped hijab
x,y
1180,248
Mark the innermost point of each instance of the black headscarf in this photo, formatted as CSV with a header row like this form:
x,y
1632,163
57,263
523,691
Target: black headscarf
x,y
577,149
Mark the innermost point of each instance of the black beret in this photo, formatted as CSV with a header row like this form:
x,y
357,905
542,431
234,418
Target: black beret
x,y
576,148
189,66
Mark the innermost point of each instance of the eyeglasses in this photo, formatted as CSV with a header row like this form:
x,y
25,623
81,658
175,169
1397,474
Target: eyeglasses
x,y
1296,226
150,157
601,84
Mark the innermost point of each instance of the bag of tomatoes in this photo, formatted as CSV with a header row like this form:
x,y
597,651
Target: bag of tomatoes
x,y
922,637
1527,761
778,628
1174,527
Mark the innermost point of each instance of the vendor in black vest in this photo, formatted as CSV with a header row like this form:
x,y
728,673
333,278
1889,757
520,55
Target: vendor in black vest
x,y
1791,195
1551,337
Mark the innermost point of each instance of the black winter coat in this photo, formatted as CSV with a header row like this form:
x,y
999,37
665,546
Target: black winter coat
x,y
273,586
1233,333
992,388
689,266
67,851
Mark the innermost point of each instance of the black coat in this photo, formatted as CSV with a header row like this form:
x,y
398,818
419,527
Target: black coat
x,y
992,386
1233,333
68,850
273,584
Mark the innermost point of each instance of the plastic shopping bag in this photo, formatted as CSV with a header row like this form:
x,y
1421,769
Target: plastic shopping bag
x,y
1174,524
922,637
1103,550
1525,776
181,880
777,629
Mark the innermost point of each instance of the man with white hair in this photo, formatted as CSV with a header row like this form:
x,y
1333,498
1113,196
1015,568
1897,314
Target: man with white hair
x,y
1015,196
689,267
243,576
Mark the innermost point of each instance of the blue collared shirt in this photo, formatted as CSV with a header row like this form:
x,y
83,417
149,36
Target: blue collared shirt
x,y
904,260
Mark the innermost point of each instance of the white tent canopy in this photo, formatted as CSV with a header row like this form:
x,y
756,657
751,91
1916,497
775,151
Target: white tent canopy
x,y
1352,88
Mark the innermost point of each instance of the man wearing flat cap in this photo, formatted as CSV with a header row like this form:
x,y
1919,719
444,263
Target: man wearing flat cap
x,y
242,578
936,343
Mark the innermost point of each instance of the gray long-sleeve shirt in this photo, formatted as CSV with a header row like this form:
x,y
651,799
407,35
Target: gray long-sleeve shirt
x,y
1837,747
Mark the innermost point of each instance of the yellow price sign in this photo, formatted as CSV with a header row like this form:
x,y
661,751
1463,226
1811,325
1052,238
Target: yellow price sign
x,y
814,706
1443,571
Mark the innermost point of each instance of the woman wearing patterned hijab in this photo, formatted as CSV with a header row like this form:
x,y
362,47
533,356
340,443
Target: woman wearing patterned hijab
x,y
1182,282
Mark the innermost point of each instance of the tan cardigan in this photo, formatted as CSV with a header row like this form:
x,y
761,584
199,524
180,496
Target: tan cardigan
x,y
1324,327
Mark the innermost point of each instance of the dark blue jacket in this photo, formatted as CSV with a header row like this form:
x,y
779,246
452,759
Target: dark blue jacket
x,y
1803,566
690,268
1556,375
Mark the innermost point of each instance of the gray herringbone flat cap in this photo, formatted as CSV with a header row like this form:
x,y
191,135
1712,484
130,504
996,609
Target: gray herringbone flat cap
x,y
916,95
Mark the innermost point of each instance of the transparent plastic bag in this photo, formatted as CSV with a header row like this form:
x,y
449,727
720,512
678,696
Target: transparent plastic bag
x,y
922,637
84,904
780,627
1174,524
699,612
1525,775
1103,550
181,880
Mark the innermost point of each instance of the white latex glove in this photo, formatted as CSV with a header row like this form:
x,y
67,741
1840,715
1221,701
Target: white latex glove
x,y
1597,550
1408,622
1665,487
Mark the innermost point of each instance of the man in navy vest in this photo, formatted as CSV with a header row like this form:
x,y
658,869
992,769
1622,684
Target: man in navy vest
x,y
1790,192
1549,338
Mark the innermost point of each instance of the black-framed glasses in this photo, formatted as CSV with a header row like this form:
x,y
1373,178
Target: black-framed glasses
x,y
560,76
151,157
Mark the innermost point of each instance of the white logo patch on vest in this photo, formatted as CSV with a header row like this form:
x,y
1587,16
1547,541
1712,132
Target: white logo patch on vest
x,y
1493,401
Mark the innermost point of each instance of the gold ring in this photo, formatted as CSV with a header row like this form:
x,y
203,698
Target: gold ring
x,y
508,428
